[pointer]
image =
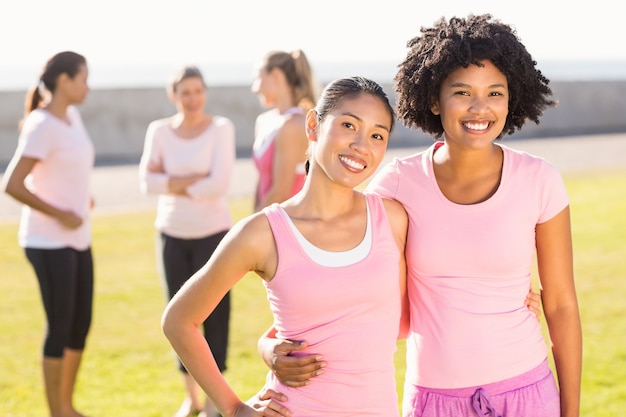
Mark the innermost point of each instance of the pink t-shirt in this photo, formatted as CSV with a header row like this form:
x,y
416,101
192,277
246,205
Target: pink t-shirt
x,y
205,211
469,270
263,151
61,177
348,312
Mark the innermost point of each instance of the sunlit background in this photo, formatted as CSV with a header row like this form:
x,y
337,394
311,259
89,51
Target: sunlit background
x,y
134,43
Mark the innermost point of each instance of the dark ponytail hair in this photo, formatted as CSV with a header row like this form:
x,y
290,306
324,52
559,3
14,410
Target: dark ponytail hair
x,y
66,62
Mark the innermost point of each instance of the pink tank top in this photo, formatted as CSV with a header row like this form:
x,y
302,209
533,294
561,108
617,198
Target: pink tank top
x,y
348,313
263,152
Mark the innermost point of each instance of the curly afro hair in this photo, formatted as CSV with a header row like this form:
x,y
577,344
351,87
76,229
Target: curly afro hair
x,y
461,42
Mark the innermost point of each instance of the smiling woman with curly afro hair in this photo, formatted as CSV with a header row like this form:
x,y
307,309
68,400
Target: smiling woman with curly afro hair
x,y
482,216
461,42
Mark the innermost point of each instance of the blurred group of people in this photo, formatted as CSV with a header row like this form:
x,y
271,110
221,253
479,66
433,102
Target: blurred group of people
x,y
187,161
438,249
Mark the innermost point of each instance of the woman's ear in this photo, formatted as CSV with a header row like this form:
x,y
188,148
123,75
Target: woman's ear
x,y
62,80
311,125
434,107
171,95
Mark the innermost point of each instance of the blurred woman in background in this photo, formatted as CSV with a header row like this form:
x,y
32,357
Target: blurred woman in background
x,y
50,175
284,83
188,161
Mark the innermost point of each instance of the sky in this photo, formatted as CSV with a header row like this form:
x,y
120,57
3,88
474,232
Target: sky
x,y
142,41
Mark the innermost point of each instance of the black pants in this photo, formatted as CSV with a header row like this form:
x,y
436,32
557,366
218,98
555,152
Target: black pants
x,y
181,258
66,283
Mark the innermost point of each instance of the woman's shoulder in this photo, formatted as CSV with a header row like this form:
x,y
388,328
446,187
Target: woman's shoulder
x,y
38,116
267,115
414,162
253,231
394,209
395,213
292,124
160,123
158,128
524,160
222,121
391,206
36,120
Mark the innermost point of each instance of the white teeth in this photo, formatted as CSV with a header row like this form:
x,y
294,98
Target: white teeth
x,y
351,163
477,126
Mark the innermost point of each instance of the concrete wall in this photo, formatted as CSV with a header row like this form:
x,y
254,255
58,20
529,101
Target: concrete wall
x,y
117,118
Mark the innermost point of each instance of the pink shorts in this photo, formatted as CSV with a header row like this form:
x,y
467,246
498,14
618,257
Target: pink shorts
x,y
533,393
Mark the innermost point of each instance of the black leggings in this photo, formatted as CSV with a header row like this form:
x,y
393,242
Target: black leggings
x,y
66,283
181,258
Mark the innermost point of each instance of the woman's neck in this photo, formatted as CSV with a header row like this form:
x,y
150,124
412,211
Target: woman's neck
x,y
190,126
189,120
466,162
284,103
323,199
58,108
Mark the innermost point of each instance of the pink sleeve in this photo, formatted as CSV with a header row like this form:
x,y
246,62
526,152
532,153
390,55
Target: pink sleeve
x,y
553,197
34,140
385,182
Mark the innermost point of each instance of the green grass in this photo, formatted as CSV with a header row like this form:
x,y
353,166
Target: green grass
x,y
129,369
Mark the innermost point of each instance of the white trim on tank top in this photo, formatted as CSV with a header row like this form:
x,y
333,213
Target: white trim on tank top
x,y
329,258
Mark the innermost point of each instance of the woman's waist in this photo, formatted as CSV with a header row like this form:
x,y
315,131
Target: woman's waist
x,y
463,356
342,394
187,220
186,229
347,357
522,379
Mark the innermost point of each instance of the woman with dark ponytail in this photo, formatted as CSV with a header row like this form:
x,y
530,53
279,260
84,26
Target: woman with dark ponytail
x,y
49,174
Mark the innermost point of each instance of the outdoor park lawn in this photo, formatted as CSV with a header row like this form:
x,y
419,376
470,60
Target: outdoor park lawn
x,y
129,369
